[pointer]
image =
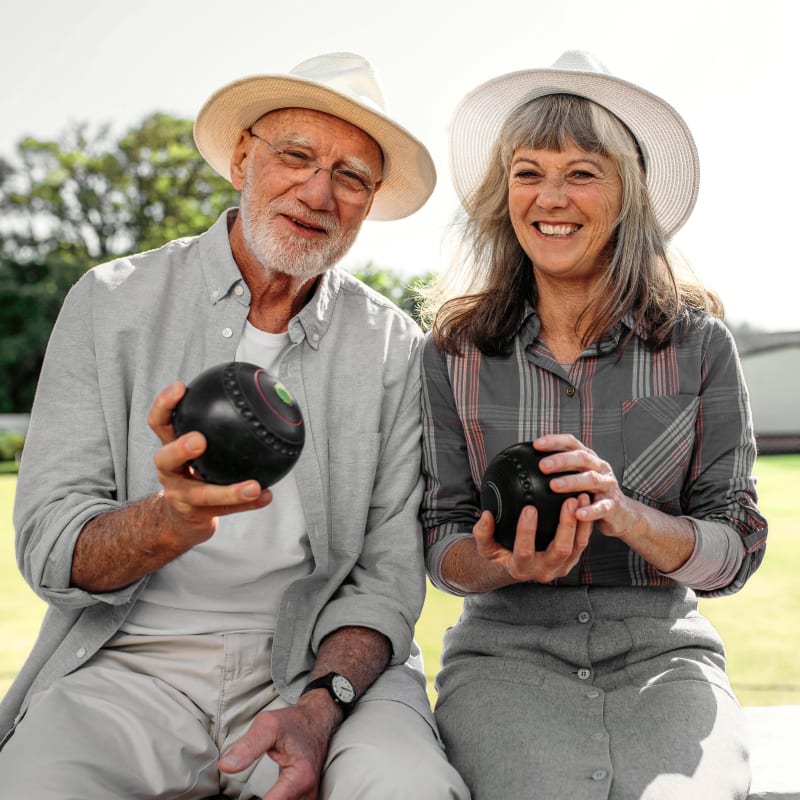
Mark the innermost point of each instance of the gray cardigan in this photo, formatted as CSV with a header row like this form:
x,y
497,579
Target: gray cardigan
x,y
130,327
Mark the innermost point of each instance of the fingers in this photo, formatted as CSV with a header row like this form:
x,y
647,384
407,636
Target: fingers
x,y
483,532
259,738
561,554
277,735
160,416
188,496
525,562
176,453
192,505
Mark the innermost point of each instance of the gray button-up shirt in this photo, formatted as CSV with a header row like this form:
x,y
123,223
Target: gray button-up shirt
x,y
130,327
674,424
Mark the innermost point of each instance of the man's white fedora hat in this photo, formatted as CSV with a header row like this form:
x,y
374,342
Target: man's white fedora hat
x,y
342,84
670,156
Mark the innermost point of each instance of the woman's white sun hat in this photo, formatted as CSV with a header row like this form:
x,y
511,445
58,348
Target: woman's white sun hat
x,y
670,156
344,85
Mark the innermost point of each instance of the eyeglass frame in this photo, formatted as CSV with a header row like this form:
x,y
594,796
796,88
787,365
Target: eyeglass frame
x,y
369,186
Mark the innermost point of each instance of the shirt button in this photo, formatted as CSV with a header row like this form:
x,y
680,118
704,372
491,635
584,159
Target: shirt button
x,y
598,737
314,337
584,674
227,333
238,290
584,617
215,294
570,391
593,694
80,652
599,775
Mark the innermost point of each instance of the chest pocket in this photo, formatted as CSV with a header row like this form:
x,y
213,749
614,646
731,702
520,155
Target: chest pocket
x,y
658,437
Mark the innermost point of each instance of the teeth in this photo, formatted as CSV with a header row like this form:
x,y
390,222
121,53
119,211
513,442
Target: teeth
x,y
556,230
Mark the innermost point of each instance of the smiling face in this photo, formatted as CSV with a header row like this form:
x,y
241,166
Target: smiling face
x,y
563,206
295,221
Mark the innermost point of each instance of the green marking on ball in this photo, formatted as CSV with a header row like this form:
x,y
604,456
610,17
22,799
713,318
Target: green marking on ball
x,y
284,394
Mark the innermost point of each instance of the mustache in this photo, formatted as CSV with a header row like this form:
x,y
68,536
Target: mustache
x,y
322,219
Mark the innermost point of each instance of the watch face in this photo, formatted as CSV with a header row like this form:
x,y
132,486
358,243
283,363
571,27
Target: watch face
x,y
343,689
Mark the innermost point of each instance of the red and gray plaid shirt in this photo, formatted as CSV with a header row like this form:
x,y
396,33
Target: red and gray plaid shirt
x,y
674,424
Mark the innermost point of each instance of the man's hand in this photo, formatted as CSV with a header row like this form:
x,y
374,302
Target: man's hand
x,y
121,546
296,739
192,504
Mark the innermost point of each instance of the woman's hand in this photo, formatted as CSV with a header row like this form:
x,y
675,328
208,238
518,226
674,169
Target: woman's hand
x,y
525,562
662,540
613,512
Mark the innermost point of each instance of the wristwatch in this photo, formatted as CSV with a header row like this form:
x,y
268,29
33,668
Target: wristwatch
x,y
339,688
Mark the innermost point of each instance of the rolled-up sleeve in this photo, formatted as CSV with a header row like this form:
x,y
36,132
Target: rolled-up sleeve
x,y
721,488
66,474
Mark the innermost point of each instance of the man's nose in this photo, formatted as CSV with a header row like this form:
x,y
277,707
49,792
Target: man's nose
x,y
317,190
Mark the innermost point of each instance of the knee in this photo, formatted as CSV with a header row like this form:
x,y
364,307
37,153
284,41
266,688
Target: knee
x,y
377,772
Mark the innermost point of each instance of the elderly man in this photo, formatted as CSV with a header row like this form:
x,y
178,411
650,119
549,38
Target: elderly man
x,y
205,638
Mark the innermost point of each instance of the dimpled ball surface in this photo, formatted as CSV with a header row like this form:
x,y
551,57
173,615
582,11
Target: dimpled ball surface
x,y
253,426
512,481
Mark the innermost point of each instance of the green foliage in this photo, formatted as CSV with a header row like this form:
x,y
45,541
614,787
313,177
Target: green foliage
x,y
389,284
68,205
11,445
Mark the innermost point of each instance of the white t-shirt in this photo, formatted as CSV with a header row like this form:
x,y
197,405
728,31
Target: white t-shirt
x,y
235,580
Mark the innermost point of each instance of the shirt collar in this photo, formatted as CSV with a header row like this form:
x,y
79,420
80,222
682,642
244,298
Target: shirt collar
x,y
530,324
314,319
222,276
220,270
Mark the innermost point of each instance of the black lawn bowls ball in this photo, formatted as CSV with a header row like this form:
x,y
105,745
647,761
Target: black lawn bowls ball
x,y
252,424
512,481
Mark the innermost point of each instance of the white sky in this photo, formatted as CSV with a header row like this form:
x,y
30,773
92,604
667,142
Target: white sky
x,y
728,66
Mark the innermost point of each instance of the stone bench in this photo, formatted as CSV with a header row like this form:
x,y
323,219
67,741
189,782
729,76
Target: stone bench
x,y
775,752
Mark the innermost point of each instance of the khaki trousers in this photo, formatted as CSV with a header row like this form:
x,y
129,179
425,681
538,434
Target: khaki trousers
x,y
148,717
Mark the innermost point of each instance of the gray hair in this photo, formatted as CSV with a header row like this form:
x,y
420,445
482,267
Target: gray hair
x,y
483,294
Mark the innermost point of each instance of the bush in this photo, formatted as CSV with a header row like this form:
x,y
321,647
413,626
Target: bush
x,y
11,445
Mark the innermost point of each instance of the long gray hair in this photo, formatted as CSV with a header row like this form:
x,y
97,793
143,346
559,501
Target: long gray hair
x,y
482,295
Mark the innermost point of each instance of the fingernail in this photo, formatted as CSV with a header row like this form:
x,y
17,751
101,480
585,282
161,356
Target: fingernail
x,y
231,761
194,442
251,491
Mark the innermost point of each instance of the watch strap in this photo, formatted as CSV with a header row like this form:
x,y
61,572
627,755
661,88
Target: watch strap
x,y
326,682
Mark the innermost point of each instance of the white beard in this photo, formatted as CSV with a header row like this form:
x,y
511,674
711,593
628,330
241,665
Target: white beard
x,y
280,251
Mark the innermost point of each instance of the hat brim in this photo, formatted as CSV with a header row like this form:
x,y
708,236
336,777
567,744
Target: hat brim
x,y
409,175
672,164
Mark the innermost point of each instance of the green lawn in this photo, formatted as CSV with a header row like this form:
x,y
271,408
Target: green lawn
x,y
760,624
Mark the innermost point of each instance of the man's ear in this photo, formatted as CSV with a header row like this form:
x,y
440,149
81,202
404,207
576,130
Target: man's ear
x,y
239,160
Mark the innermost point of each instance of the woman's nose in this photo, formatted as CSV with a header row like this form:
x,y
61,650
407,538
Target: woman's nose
x,y
552,194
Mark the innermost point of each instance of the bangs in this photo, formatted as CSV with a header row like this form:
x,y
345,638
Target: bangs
x,y
555,121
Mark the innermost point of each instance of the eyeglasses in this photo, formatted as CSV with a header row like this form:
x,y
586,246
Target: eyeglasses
x,y
348,184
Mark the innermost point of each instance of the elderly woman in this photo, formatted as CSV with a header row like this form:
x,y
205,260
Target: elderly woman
x,y
584,670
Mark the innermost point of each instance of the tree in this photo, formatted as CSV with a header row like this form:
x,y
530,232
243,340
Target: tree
x,y
70,204
89,198
391,285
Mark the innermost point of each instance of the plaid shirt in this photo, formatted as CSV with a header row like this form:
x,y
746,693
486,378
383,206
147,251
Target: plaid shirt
x,y
674,424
